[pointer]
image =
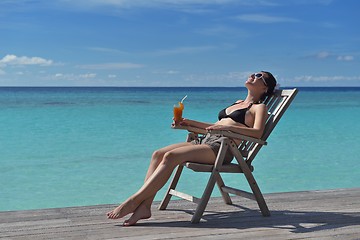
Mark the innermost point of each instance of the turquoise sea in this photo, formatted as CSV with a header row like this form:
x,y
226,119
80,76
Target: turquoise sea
x,y
84,146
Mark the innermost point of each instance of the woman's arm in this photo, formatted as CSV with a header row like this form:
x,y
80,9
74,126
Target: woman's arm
x,y
193,123
260,116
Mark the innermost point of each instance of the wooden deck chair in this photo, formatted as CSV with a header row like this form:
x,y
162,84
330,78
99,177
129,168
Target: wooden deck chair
x,y
244,154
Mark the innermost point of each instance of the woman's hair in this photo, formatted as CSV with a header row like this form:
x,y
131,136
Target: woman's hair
x,y
271,84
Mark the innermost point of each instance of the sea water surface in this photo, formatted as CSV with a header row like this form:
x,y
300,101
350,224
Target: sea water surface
x,y
64,147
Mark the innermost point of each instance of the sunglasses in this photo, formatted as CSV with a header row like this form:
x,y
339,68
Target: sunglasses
x,y
260,75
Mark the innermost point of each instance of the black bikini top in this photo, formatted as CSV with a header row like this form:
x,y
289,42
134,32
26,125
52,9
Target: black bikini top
x,y
237,115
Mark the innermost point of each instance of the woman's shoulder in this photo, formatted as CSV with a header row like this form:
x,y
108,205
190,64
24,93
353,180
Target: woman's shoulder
x,y
259,107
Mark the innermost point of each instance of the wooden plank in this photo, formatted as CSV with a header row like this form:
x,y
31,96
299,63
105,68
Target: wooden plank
x,y
294,215
184,196
238,192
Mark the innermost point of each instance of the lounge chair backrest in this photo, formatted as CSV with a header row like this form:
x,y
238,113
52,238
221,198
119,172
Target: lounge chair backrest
x,y
277,105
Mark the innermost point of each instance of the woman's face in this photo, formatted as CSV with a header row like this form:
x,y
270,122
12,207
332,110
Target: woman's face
x,y
257,81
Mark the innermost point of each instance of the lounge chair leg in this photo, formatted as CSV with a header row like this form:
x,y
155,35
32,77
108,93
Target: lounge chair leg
x,y
258,195
204,199
172,186
214,177
225,195
252,182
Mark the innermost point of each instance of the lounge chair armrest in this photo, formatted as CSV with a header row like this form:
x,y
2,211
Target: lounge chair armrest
x,y
238,136
222,132
191,129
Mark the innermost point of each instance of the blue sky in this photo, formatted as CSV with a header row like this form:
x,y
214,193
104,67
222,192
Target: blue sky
x,y
178,42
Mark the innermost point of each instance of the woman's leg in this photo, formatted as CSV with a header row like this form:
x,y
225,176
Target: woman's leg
x,y
144,210
172,158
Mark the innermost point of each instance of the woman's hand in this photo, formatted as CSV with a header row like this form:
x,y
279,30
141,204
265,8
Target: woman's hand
x,y
218,127
185,122
191,124
182,122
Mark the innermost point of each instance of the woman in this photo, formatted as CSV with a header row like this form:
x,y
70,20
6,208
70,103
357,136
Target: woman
x,y
246,117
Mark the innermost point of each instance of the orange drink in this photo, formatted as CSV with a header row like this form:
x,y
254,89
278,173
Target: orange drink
x,y
178,110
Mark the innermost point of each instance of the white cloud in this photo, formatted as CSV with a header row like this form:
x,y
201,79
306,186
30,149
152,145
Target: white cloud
x,y
11,59
172,72
260,18
88,75
182,50
107,66
73,77
226,79
189,6
107,50
152,3
2,72
345,58
327,55
309,78
85,4
223,30
169,72
323,55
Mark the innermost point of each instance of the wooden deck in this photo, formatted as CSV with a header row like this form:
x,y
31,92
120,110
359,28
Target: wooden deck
x,y
331,214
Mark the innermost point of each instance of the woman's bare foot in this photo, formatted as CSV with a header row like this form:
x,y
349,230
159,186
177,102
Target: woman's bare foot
x,y
122,210
142,212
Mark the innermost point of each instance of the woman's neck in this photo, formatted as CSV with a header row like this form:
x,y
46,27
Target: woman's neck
x,y
252,97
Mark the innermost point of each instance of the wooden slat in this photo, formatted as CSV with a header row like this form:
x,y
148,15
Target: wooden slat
x,y
226,168
184,196
238,192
